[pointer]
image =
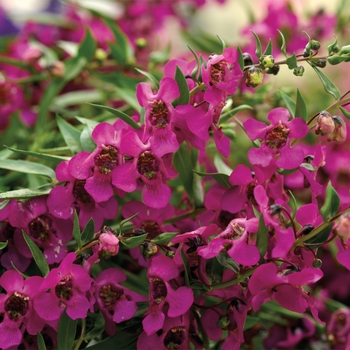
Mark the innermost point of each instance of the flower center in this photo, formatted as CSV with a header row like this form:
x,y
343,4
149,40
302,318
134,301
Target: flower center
x,y
175,337
217,71
16,306
63,289
8,230
193,244
225,218
235,232
41,227
79,192
277,137
147,165
159,116
152,228
107,159
110,295
158,288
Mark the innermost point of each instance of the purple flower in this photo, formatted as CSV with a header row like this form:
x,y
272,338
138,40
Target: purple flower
x,y
65,286
159,115
62,200
97,167
117,303
160,274
144,168
276,139
17,308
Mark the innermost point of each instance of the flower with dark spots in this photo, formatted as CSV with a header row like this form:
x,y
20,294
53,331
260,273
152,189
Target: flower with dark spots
x,y
276,139
107,159
64,287
17,308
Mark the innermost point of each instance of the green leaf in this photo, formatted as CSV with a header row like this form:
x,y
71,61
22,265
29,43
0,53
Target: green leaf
x,y
203,41
27,193
3,245
150,77
41,341
258,50
4,203
124,221
321,237
222,179
197,67
222,43
164,238
345,112
331,47
89,231
290,104
331,204
221,166
186,266
283,45
225,117
86,141
70,134
76,230
334,60
250,322
127,119
99,327
37,255
240,58
292,62
300,108
38,155
183,88
26,167
67,329
268,50
225,260
133,242
198,192
87,47
308,166
262,237
79,97
327,83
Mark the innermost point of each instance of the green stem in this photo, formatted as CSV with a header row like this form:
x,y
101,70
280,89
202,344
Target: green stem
x,y
82,334
192,214
86,246
199,87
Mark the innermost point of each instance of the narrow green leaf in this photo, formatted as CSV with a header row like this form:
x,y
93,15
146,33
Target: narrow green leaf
x,y
225,117
258,50
26,193
99,327
283,45
17,63
67,329
26,167
88,122
292,62
268,50
197,67
225,260
222,42
76,230
321,237
240,58
3,245
300,108
221,166
124,221
331,47
89,231
164,237
127,119
4,203
222,179
186,266
250,322
86,141
183,88
150,77
70,134
203,41
37,255
331,204
41,341
74,98
38,154
327,83
262,237
290,104
87,47
133,242
198,191
345,112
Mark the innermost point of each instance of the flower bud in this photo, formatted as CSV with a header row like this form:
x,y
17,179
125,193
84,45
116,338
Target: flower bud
x,y
223,322
267,61
247,59
273,70
317,263
100,54
149,249
299,71
57,69
339,133
325,124
141,43
338,326
320,63
254,77
315,45
109,245
342,226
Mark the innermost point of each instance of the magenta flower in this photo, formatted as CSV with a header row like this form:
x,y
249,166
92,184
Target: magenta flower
x,y
160,274
284,286
159,115
235,241
144,168
276,139
97,167
117,303
63,200
17,308
65,286
223,71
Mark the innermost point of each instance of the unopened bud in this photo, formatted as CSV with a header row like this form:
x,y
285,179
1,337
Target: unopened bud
x,y
100,54
57,69
342,226
339,133
320,63
247,59
267,61
273,70
141,43
299,71
325,124
275,209
149,249
254,77
315,45
109,245
223,322
317,263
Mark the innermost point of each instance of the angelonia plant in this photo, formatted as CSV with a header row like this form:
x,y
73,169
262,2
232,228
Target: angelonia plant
x,y
151,201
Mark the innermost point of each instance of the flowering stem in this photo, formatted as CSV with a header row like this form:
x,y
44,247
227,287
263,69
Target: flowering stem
x,y
82,334
86,246
291,220
199,87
